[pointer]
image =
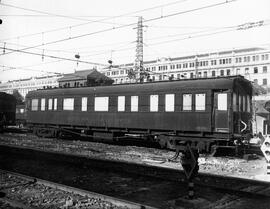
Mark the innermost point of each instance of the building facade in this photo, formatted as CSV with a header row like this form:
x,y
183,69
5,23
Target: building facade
x,y
29,84
252,63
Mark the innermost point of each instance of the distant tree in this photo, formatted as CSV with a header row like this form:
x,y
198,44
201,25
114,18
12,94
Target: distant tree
x,y
258,90
18,96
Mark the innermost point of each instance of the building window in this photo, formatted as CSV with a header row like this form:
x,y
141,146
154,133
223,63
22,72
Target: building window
x,y
153,103
237,71
84,104
205,74
169,102
42,108
228,72
255,70
265,81
222,73
187,101
191,75
50,103
264,69
121,103
246,70
68,104
213,73
222,101
255,81
200,102
134,103
55,104
34,105
101,104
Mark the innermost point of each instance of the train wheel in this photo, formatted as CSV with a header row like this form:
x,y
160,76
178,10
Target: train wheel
x,y
162,142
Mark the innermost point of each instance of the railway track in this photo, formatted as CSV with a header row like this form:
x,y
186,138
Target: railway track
x,y
249,150
151,185
30,192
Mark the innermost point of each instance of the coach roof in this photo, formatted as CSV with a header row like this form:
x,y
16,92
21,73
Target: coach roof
x,y
194,84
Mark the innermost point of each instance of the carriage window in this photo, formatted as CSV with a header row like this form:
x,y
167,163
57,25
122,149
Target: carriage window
x,y
187,101
240,103
222,101
234,102
153,103
200,102
244,104
55,104
134,103
68,104
248,103
42,108
169,102
84,104
34,105
101,103
121,103
50,104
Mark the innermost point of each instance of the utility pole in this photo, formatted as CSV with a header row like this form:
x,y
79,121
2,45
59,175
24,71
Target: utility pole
x,y
138,66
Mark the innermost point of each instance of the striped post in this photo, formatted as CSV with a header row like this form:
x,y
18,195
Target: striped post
x,y
268,167
190,189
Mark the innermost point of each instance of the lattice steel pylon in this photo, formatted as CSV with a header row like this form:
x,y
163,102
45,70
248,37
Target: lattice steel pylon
x,y
138,65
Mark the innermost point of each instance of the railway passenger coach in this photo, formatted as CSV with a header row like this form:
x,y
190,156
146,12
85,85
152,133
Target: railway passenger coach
x,y
7,110
205,111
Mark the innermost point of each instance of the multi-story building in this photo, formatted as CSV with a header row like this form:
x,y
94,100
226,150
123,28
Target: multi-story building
x,y
29,84
252,63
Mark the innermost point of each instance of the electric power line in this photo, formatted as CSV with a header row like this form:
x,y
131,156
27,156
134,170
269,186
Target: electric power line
x,y
95,21
126,25
54,57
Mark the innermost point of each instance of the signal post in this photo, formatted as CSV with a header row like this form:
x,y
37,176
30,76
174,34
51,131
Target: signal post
x,y
189,162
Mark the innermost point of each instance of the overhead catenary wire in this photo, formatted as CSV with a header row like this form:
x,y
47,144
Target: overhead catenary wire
x,y
48,13
231,28
96,21
55,57
127,25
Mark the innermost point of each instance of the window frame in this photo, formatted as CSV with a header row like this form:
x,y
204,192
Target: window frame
x,y
66,106
121,103
169,98
154,102
42,104
103,99
36,105
134,103
204,103
84,101
189,104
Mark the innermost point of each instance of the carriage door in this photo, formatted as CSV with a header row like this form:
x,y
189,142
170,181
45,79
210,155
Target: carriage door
x,y
221,120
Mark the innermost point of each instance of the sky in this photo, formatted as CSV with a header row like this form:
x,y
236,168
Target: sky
x,y
42,37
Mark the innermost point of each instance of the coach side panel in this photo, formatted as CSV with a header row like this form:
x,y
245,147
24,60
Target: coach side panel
x,y
173,111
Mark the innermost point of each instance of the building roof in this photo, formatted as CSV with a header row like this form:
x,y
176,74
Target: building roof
x,y
79,75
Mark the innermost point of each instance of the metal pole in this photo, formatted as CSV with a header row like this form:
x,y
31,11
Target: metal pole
x,y
190,189
268,167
